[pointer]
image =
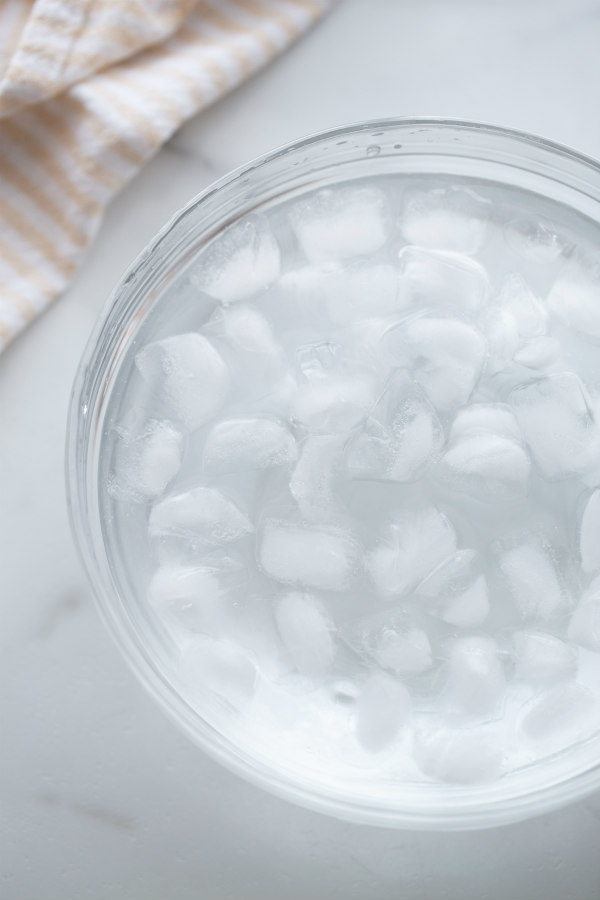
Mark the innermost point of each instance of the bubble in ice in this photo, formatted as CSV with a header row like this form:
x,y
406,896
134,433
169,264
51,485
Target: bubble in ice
x,y
448,282
187,597
187,375
392,639
410,547
308,556
217,666
335,402
241,262
383,707
584,625
401,437
235,445
457,591
533,581
561,716
471,755
574,298
558,423
474,682
145,464
202,513
542,657
445,356
312,482
341,223
589,534
453,218
306,630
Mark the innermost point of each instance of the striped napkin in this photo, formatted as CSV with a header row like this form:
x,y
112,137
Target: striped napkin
x,y
89,90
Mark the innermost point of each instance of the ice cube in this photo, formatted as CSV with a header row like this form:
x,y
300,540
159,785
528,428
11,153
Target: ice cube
x,y
392,639
516,318
360,290
502,337
306,630
563,715
234,445
336,224
187,375
538,353
410,548
187,597
589,534
574,298
304,556
453,218
460,755
584,626
485,418
201,513
347,292
518,300
445,355
383,706
145,465
443,281
558,424
486,466
335,402
318,360
535,240
301,297
258,363
248,330
217,666
474,678
401,437
242,261
533,581
457,591
314,476
542,657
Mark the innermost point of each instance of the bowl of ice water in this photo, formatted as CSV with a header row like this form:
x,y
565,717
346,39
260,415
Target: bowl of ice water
x,y
334,469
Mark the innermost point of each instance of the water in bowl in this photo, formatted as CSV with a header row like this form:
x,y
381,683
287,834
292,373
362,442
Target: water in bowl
x,y
351,477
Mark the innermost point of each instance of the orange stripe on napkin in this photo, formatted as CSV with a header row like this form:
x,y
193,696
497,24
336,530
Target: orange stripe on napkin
x,y
89,91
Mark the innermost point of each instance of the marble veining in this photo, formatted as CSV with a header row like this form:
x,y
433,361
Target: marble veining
x,y
98,814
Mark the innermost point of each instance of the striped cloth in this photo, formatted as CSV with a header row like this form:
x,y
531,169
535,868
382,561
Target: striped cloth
x,y
89,90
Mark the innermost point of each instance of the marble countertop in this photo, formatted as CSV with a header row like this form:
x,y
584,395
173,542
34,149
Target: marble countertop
x,y
101,796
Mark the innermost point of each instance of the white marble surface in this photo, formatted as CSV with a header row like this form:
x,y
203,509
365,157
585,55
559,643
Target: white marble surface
x,y
100,796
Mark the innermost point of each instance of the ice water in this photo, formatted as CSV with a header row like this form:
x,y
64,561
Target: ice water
x,y
352,476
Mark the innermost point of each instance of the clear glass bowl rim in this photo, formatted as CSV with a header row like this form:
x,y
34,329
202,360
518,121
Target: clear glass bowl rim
x,y
87,397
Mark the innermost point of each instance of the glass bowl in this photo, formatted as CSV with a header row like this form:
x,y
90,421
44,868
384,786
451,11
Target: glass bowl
x,y
394,146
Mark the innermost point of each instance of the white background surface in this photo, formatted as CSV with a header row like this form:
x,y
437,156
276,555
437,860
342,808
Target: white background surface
x,y
100,796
